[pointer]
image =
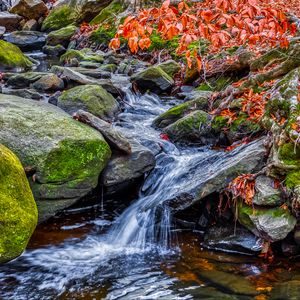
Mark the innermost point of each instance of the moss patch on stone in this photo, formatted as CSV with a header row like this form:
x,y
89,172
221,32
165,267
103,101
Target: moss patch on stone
x,y
82,55
11,56
18,211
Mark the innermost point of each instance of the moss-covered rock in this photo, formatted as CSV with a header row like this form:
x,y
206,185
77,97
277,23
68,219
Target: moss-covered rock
x,y
12,57
153,79
193,128
180,110
91,98
109,68
82,55
61,36
271,224
18,211
65,156
109,13
59,18
171,67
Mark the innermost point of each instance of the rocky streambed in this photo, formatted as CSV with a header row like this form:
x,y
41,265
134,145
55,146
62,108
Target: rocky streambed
x,y
127,174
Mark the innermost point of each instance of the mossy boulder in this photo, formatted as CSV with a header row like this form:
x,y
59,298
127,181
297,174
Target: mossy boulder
x,y
61,36
193,128
12,57
171,67
153,79
91,98
63,156
109,13
179,111
82,55
22,80
271,224
59,17
18,211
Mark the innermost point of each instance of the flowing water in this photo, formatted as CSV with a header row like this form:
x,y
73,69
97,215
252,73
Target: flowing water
x,y
138,253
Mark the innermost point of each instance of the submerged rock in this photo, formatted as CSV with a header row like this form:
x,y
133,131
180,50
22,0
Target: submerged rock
x,y
18,211
66,156
26,40
91,98
271,224
153,79
30,9
123,171
12,57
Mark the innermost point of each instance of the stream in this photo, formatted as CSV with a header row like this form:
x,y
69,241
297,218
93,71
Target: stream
x,y
113,252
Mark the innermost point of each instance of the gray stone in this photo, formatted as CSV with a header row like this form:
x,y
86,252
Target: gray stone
x,y
23,80
49,82
66,156
30,9
54,51
24,93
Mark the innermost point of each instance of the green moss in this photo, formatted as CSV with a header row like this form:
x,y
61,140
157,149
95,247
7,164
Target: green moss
x,y
219,122
18,211
109,68
109,13
103,35
11,56
158,43
214,84
81,55
75,160
292,179
289,154
59,18
61,36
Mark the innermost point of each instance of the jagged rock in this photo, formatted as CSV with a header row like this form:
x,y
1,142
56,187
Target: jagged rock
x,y
49,82
30,25
193,128
18,211
123,171
26,40
265,193
113,137
235,239
153,79
61,36
30,9
271,224
11,57
10,21
91,98
66,156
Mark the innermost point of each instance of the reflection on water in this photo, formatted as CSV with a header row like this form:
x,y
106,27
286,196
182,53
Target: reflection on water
x,y
66,259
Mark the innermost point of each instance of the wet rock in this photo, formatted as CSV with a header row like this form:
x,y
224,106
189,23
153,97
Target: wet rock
x,y
30,25
286,290
18,211
85,54
271,224
2,31
180,110
67,156
24,93
11,57
61,36
125,68
113,137
124,170
54,51
91,98
49,82
235,239
153,79
89,65
266,194
9,21
194,128
171,67
26,40
289,248
95,73
228,282
23,80
109,68
30,9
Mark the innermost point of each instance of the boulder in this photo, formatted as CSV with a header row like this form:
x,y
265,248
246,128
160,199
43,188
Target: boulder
x,y
123,171
54,51
23,80
26,40
153,79
265,192
12,57
271,224
49,82
171,67
61,36
194,128
18,211
65,157
30,25
30,9
82,55
10,21
91,98
113,137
